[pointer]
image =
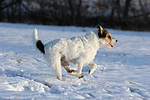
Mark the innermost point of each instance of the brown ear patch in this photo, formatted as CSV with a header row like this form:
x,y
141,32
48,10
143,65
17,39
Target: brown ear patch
x,y
102,33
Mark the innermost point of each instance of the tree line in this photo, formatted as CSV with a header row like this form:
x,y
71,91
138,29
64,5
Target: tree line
x,y
120,14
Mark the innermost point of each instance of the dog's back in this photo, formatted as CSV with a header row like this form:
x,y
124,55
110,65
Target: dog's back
x,y
72,48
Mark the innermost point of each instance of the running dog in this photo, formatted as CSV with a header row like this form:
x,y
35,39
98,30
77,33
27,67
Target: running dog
x,y
77,50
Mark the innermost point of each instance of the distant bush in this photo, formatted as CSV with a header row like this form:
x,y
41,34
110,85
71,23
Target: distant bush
x,y
118,14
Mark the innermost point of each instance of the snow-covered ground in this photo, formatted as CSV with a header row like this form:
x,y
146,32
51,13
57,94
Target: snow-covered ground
x,y
123,72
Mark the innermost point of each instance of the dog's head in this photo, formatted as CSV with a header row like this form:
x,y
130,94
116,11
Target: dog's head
x,y
105,37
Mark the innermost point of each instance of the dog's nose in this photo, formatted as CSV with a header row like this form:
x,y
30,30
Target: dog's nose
x,y
116,40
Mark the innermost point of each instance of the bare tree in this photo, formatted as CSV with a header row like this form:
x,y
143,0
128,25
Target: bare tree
x,y
115,7
72,9
1,1
79,9
126,8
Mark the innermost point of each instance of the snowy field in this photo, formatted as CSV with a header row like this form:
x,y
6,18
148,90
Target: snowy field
x,y
123,72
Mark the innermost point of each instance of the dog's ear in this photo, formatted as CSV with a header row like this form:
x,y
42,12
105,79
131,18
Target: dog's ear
x,y
100,32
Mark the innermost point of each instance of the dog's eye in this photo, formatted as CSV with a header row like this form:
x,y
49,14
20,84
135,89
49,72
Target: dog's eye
x,y
109,37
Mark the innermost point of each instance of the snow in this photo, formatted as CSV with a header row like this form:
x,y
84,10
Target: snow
x,y
122,73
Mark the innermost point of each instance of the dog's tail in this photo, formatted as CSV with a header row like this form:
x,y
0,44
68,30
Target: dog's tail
x,y
38,42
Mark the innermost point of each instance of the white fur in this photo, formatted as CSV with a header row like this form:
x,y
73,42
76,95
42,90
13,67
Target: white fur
x,y
77,50
35,36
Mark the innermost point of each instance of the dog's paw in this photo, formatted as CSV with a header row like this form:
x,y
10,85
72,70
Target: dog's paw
x,y
91,71
59,78
81,76
71,71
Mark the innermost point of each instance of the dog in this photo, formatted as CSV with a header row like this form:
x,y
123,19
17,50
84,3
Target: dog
x,y
77,50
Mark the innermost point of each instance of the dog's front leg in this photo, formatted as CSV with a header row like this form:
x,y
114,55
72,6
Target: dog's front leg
x,y
94,66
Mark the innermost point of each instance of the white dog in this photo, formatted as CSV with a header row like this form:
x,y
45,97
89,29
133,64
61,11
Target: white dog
x,y
77,50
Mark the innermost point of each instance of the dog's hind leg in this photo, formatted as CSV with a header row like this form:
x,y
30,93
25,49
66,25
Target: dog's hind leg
x,y
66,65
55,63
94,66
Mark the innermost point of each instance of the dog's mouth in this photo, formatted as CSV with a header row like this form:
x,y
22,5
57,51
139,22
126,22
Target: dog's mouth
x,y
110,45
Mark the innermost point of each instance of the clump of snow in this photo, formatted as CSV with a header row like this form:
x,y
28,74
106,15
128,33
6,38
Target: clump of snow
x,y
122,73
